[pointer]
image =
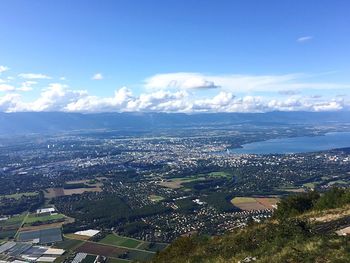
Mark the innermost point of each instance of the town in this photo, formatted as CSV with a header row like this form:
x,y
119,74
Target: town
x,y
136,194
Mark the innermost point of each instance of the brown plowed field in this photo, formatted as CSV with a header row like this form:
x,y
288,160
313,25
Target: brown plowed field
x,y
103,250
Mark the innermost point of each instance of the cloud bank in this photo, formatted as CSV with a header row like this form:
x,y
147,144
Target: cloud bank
x,y
178,92
58,97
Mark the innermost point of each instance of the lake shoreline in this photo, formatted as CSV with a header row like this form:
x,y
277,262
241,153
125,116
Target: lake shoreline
x,y
293,145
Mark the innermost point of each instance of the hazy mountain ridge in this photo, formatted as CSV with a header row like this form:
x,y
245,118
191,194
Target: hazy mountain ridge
x,y
52,122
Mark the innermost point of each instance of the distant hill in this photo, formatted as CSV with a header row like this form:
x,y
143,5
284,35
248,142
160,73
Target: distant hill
x,y
53,122
302,230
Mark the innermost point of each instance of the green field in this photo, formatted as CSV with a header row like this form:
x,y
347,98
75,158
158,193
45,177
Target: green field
x,y
115,240
89,259
310,185
12,221
10,226
219,174
136,250
338,182
291,189
188,178
69,244
211,174
154,247
241,200
34,218
139,255
178,181
155,198
117,260
19,195
7,234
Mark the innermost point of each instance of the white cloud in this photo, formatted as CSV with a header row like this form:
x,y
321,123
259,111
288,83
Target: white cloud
x,y
55,98
87,103
179,92
329,106
10,102
180,81
97,76
6,87
34,76
3,69
58,97
304,39
27,85
163,101
237,83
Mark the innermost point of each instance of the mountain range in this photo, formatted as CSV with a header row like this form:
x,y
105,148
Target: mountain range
x,y
54,122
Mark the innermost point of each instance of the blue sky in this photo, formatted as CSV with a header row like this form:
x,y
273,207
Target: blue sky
x,y
186,55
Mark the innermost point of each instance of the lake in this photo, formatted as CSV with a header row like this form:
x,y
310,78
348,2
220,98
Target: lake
x,y
329,141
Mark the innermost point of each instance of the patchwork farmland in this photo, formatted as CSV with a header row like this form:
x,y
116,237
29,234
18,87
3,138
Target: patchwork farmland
x,y
116,240
9,227
74,187
255,203
115,252
116,248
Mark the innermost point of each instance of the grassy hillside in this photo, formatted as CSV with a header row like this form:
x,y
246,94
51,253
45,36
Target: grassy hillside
x,y
302,230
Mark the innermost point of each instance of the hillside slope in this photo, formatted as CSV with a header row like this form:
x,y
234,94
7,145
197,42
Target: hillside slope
x,y
302,230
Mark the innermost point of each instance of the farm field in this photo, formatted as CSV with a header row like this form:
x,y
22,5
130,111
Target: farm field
x,y
310,185
91,186
12,221
254,203
77,237
291,189
115,240
69,244
152,246
176,183
9,227
219,174
95,181
155,198
122,248
42,219
242,200
269,203
19,195
7,234
100,249
89,259
57,192
117,260
48,235
139,255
